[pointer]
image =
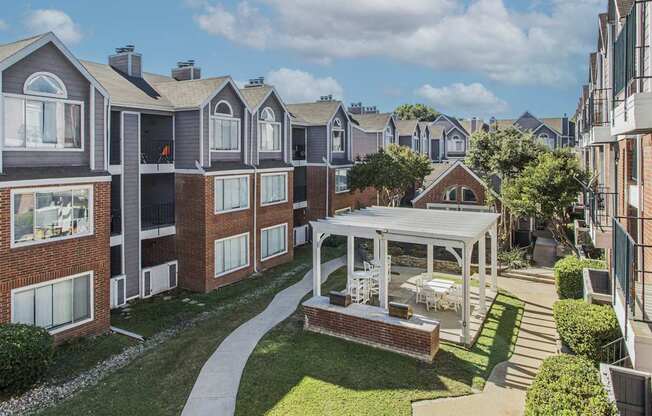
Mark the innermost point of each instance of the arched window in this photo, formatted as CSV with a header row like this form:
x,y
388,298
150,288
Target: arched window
x,y
45,84
450,195
225,136
269,132
468,195
223,108
337,136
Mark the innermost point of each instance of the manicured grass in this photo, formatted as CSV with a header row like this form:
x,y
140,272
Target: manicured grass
x,y
159,381
295,372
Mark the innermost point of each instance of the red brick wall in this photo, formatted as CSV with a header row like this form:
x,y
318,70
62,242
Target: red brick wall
x,y
316,188
646,200
409,340
39,263
457,177
157,251
276,214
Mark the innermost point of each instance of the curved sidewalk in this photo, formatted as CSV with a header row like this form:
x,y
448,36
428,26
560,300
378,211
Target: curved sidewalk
x,y
504,392
216,388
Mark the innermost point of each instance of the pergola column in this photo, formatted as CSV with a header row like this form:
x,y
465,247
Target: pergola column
x,y
376,249
316,263
350,260
482,271
383,294
466,303
494,256
430,258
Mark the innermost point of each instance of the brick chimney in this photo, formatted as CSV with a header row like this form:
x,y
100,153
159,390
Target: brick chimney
x,y
186,71
127,61
355,108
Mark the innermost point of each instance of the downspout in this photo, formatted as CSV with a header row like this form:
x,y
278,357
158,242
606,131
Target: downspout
x,y
255,188
641,214
328,191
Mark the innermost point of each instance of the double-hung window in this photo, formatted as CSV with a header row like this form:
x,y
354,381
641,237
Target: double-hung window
x,y
225,136
50,214
231,254
269,132
55,305
231,193
342,180
337,136
273,241
274,188
389,136
43,118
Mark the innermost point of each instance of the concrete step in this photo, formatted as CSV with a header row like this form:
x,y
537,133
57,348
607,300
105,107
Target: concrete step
x,y
516,274
542,272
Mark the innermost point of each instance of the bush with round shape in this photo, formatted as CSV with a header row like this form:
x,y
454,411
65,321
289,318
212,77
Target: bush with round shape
x,y
26,354
568,275
585,328
567,385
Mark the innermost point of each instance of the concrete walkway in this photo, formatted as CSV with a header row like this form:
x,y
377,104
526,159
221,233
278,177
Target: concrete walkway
x,y
216,388
504,392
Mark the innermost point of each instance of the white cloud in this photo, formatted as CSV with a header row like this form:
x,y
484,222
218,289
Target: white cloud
x,y
52,20
3,25
484,36
299,86
463,99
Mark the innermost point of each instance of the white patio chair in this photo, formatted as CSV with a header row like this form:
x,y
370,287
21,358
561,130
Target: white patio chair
x,y
453,299
432,299
421,295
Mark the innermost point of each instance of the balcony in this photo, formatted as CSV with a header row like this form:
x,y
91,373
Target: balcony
x,y
633,115
156,217
156,144
116,221
599,130
600,207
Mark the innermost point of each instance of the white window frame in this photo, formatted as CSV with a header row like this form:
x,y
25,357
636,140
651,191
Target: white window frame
x,y
91,289
91,214
388,137
224,273
348,189
44,99
448,191
463,188
337,126
45,94
261,242
227,117
216,178
266,204
261,122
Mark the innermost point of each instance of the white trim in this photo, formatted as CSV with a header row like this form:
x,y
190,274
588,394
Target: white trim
x,y
266,204
158,232
115,240
55,181
91,289
149,168
261,241
141,280
210,133
215,113
201,134
216,178
228,81
348,169
299,205
46,94
190,171
260,123
224,273
91,126
91,214
222,172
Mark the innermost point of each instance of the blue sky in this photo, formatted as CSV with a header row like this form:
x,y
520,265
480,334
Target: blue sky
x,y
476,57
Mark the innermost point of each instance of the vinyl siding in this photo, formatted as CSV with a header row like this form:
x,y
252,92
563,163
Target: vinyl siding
x,y
279,114
131,213
100,140
186,140
49,59
229,95
405,141
345,125
316,144
365,143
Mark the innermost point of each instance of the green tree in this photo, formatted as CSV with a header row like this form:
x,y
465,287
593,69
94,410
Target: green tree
x,y
546,189
419,112
392,172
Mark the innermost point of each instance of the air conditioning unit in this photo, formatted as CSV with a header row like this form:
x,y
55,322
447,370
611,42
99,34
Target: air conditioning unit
x,y
301,235
118,291
159,278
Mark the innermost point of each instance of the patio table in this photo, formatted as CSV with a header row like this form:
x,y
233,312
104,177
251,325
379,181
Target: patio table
x,y
438,286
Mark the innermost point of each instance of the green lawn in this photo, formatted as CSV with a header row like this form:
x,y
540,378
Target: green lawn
x,y
159,381
294,372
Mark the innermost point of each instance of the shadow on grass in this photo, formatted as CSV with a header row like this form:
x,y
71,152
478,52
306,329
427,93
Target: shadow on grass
x,y
295,372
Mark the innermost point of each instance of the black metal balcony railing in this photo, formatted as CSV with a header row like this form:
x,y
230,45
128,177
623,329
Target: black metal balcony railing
x,y
602,205
157,215
116,221
298,152
300,193
599,108
156,151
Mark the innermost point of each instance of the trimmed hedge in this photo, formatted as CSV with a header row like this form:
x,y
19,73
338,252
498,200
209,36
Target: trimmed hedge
x,y
567,385
26,354
585,328
568,276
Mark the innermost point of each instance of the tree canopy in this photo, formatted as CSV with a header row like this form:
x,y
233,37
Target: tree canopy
x,y
419,112
392,172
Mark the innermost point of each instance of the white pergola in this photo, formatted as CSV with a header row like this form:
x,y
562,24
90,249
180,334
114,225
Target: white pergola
x,y
450,229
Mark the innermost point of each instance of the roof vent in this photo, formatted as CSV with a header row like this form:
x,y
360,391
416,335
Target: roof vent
x,y
328,97
256,82
186,71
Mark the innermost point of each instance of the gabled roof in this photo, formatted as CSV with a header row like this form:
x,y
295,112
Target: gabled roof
x,y
376,122
592,66
602,35
406,127
424,125
191,93
317,113
254,96
9,49
623,7
436,131
454,121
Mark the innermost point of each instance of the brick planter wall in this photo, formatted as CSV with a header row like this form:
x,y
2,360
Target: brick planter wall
x,y
410,338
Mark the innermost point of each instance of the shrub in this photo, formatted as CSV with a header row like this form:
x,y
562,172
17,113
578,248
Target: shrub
x,y
567,385
514,258
26,355
568,275
585,328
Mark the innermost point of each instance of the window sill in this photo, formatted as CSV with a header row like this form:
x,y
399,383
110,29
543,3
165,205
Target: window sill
x,y
49,240
274,255
231,211
270,151
268,204
41,149
231,271
343,192
225,151
71,326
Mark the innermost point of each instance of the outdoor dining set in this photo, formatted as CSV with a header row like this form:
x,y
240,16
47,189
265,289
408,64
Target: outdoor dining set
x,y
439,294
365,284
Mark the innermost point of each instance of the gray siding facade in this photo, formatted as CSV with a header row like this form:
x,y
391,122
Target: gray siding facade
x,y
339,156
186,140
49,59
229,95
317,143
279,114
131,197
100,131
365,143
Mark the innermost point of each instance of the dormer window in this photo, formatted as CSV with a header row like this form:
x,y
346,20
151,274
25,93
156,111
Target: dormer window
x,y
338,136
389,137
43,118
456,144
547,140
269,131
415,142
225,136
